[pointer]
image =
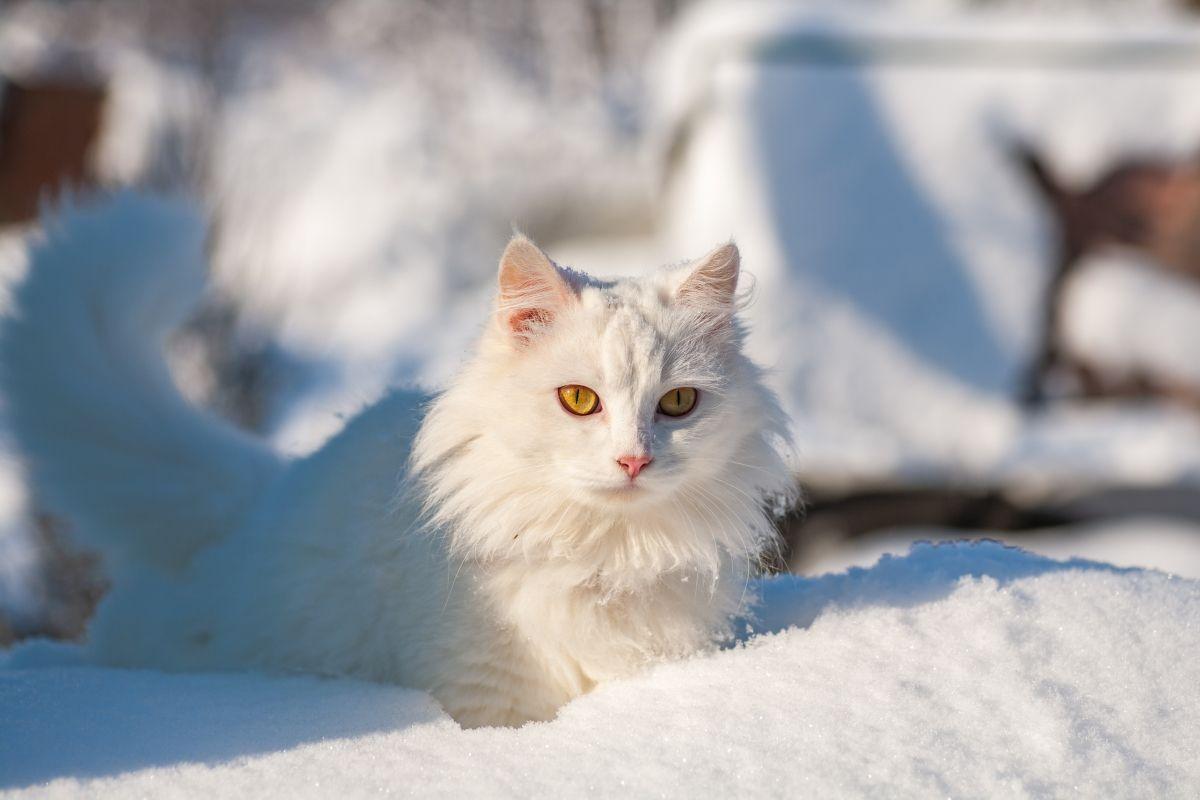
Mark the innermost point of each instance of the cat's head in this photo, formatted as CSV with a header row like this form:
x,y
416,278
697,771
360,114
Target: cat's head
x,y
612,404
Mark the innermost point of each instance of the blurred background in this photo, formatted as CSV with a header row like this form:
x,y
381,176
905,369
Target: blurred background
x,y
973,227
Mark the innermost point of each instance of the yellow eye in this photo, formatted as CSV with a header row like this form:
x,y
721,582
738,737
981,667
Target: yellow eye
x,y
678,402
579,400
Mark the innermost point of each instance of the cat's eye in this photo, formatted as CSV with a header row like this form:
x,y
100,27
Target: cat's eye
x,y
579,400
678,402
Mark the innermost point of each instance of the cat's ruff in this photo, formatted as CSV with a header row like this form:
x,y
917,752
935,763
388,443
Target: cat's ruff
x,y
497,553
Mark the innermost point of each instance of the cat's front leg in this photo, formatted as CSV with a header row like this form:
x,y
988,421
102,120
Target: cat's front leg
x,y
493,686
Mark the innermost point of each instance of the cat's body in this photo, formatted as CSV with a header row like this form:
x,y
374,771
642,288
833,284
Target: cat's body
x,y
502,553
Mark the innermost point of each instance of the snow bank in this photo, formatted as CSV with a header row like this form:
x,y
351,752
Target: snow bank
x,y
952,671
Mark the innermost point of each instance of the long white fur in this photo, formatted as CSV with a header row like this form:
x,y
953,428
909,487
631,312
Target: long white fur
x,y
107,438
491,553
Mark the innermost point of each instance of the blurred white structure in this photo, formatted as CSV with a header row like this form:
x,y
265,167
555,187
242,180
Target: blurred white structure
x,y
863,163
1134,317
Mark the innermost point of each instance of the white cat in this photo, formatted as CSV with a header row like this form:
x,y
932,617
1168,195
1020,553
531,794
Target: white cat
x,y
589,495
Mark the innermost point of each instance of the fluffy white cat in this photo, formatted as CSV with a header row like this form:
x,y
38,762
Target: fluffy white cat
x,y
589,495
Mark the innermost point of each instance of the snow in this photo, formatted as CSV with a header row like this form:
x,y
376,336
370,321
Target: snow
x,y
951,671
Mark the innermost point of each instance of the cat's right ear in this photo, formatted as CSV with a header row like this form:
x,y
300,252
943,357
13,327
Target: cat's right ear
x,y
532,290
711,283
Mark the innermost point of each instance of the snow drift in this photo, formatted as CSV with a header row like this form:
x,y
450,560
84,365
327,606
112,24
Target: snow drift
x,y
955,670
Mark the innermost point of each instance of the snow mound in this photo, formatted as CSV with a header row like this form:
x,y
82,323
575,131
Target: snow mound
x,y
954,670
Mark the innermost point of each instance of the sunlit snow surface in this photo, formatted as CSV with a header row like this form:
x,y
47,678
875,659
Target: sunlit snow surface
x,y
952,671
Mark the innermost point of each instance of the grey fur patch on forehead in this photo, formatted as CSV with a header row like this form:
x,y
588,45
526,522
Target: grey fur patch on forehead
x,y
581,281
632,348
634,303
641,292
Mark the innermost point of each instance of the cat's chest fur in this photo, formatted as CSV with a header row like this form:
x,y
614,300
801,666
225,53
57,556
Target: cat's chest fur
x,y
545,638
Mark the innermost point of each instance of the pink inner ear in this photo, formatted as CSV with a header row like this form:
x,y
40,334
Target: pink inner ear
x,y
523,320
531,289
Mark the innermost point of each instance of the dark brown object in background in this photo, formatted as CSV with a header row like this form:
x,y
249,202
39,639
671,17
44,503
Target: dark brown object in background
x,y
831,518
1151,206
62,592
71,582
47,132
835,517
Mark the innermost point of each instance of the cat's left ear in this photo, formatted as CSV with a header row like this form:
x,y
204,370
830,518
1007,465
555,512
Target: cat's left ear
x,y
711,282
532,290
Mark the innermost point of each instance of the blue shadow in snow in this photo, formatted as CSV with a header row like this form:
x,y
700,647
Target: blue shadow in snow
x,y
87,722
852,218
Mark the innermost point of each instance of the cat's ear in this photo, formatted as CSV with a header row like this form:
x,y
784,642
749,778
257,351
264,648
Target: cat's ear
x,y
711,282
532,290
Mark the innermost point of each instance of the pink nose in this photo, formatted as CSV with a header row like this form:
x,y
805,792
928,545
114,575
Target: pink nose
x,y
634,464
